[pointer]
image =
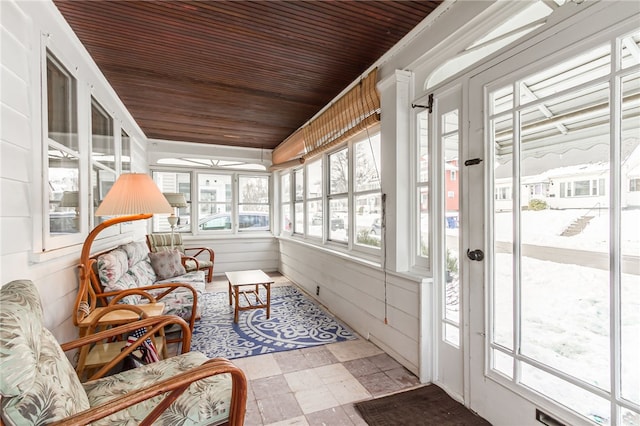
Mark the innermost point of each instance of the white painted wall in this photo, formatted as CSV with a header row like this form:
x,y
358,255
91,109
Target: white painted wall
x,y
354,291
25,28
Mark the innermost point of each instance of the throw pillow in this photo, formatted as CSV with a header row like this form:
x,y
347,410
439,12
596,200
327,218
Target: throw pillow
x,y
166,264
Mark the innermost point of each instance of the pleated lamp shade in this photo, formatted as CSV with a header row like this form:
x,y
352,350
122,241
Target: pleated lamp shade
x,y
133,193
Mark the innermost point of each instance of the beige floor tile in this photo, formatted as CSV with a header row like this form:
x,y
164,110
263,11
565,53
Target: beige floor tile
x,y
257,367
314,400
348,391
303,380
334,416
278,408
353,349
333,373
296,421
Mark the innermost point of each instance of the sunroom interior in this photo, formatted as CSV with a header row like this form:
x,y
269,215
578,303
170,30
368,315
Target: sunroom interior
x,y
468,201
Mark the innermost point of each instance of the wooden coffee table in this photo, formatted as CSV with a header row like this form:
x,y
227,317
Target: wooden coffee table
x,y
255,279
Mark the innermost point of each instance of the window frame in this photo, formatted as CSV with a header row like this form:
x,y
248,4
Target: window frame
x,y
349,246
194,202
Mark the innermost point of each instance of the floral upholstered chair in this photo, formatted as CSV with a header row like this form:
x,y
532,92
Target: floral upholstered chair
x,y
193,258
39,386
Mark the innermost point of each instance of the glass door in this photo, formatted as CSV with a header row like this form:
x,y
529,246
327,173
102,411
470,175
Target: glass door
x,y
561,229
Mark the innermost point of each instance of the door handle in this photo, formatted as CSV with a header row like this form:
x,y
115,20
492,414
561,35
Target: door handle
x,y
477,254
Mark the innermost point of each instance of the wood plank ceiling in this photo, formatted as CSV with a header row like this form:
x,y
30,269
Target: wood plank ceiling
x,y
241,73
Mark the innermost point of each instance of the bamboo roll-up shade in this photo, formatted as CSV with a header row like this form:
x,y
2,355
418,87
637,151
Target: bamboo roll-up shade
x,y
356,110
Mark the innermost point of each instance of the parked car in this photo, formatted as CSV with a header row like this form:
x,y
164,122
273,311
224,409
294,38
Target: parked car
x,y
248,221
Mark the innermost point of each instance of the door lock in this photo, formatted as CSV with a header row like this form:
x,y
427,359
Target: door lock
x,y
475,254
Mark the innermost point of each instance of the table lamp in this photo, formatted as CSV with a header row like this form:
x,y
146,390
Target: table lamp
x,y
176,200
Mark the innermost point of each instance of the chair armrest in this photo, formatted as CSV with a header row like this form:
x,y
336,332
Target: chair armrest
x,y
184,259
200,250
152,324
173,388
169,287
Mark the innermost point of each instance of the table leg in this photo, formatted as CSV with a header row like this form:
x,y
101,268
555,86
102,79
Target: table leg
x,y
236,292
230,290
268,300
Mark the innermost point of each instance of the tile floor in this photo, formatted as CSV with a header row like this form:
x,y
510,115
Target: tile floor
x,y
317,386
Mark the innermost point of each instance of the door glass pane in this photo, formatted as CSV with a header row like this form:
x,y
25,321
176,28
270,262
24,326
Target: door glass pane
x,y
584,402
630,244
422,195
423,217
502,295
449,142
566,237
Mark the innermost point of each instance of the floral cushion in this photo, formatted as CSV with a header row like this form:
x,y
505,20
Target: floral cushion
x,y
38,383
143,273
205,402
112,266
179,302
167,264
136,252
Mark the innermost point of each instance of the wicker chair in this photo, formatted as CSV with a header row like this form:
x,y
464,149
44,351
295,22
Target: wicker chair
x,y
193,258
39,386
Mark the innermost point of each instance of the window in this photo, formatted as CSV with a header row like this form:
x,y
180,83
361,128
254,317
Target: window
x,y
103,161
63,151
422,187
338,189
224,202
253,203
314,199
634,185
285,191
298,184
339,193
366,193
214,197
174,182
125,152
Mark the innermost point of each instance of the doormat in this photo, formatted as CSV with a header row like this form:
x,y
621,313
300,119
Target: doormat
x,y
296,322
426,405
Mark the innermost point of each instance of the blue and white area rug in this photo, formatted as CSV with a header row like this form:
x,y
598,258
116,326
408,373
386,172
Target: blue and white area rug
x,y
296,322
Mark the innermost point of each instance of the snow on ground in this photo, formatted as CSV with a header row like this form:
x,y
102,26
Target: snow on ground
x,y
566,308
545,226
